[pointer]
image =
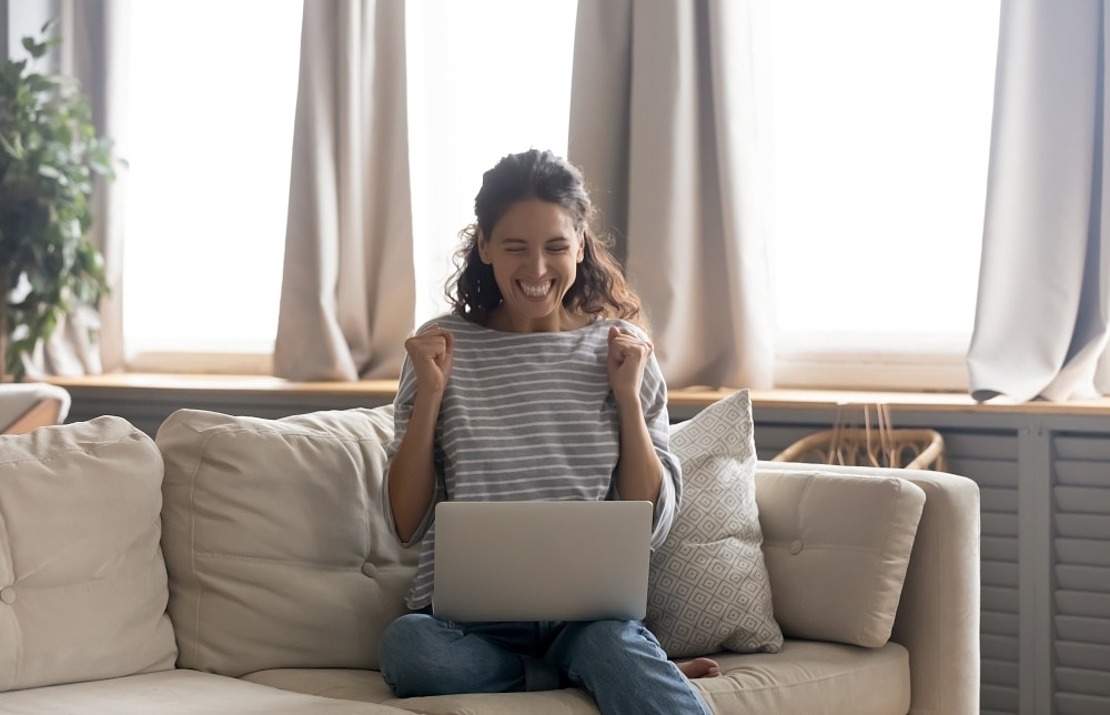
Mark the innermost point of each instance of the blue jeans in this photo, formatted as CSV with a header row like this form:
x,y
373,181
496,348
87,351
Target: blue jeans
x,y
619,663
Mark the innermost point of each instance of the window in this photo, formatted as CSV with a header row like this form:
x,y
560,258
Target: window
x,y
212,89
881,116
483,83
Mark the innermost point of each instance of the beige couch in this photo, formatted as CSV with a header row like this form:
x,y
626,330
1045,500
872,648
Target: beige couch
x,y
241,565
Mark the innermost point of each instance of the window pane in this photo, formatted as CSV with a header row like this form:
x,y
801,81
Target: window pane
x,y
881,120
212,88
486,78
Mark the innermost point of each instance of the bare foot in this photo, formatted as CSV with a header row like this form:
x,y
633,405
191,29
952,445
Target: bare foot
x,y
699,668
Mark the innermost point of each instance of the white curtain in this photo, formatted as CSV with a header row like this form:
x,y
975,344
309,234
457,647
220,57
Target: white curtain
x,y
348,295
88,341
1043,314
663,123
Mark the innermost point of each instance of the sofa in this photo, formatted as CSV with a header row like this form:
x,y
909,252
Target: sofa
x,y
242,565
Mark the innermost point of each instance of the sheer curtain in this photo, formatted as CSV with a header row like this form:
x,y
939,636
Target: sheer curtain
x,y
664,124
1043,314
348,294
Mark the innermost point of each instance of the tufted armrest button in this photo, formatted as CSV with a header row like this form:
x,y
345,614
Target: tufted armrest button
x,y
796,546
369,569
7,595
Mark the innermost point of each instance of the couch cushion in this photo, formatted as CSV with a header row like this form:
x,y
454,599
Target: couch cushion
x,y
82,580
837,547
803,679
277,551
176,692
708,587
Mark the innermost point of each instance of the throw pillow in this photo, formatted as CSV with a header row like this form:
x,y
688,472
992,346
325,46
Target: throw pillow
x,y
709,588
277,549
82,580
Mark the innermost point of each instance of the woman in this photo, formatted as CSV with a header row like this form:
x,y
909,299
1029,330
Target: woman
x,y
539,385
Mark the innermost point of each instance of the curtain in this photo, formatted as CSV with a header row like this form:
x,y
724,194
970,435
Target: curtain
x,y
664,124
87,340
348,294
1043,313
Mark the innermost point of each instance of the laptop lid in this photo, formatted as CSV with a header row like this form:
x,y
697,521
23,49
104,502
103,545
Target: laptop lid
x,y
541,560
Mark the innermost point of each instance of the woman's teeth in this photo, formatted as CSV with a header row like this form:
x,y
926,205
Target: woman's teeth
x,y
535,290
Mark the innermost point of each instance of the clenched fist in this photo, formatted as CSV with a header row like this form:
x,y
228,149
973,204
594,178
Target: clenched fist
x,y
430,352
628,356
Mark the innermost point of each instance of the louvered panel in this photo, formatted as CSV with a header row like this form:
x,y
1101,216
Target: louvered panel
x,y
998,671
997,699
1083,603
1082,655
1082,500
1083,578
1083,526
996,548
1083,552
1083,630
1081,570
998,573
1001,446
999,624
1083,681
1069,704
998,500
1081,474
994,524
991,473
1070,446
1001,599
998,647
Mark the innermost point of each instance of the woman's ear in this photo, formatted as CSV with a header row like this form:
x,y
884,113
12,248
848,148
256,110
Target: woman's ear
x,y
581,247
483,247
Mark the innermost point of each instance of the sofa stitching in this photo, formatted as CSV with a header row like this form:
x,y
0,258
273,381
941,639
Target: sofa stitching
x,y
192,548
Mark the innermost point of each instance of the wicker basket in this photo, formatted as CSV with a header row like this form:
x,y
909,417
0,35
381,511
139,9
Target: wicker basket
x,y
878,445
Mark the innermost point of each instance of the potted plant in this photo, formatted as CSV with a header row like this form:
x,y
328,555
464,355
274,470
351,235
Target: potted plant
x,y
50,155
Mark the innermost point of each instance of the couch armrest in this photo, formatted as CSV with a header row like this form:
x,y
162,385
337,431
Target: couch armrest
x,y
938,615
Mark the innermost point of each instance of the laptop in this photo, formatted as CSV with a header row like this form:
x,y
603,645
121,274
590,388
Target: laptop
x,y
542,560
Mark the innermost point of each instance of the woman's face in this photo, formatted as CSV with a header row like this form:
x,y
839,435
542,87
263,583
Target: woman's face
x,y
534,251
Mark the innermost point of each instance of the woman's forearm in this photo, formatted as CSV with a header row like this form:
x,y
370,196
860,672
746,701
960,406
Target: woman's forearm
x,y
639,470
412,470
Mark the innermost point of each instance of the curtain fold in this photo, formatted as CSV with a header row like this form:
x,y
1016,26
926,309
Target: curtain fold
x,y
664,124
348,293
1043,314
88,340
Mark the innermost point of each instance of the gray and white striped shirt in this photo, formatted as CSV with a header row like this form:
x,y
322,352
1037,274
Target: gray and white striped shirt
x,y
530,416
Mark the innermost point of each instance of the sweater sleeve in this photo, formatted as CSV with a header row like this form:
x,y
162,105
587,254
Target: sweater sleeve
x,y
402,412
653,395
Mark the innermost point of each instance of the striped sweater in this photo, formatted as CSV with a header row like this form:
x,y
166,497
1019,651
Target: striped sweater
x,y
530,416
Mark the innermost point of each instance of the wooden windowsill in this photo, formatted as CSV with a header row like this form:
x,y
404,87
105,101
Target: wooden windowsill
x,y
687,399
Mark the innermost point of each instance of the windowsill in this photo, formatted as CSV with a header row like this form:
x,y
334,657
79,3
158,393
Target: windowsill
x,y
686,399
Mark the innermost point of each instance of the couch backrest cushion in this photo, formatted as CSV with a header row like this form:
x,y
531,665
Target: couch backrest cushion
x,y
82,581
837,549
277,552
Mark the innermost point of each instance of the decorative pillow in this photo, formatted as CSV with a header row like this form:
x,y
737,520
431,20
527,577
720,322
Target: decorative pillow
x,y
709,589
82,580
838,546
277,547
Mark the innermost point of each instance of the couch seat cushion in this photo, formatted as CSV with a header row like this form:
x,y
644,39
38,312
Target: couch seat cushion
x,y
805,678
175,692
82,580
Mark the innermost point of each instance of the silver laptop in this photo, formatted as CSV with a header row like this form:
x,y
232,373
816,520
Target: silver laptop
x,y
542,560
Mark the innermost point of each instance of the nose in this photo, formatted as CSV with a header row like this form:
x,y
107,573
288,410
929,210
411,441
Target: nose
x,y
537,263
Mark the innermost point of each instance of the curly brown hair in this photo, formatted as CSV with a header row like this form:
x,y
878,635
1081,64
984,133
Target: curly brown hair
x,y
599,289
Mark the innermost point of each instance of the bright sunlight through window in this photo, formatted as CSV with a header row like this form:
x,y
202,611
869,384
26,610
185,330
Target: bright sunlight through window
x,y
486,78
212,87
881,120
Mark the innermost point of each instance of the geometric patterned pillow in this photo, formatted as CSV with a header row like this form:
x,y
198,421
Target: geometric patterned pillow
x,y
708,588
